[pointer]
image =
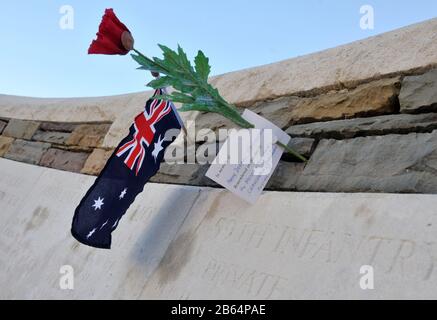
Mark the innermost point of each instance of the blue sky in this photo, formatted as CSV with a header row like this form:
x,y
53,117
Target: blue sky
x,y
38,58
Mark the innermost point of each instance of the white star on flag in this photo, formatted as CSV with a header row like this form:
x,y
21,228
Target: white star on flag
x,y
158,147
98,203
122,194
91,233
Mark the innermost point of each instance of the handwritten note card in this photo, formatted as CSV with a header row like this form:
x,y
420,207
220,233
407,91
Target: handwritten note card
x,y
256,157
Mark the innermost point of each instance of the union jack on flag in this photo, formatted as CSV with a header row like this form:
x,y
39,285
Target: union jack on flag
x,y
134,161
144,134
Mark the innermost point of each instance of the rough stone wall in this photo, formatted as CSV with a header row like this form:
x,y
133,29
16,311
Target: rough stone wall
x,y
63,146
378,136
365,114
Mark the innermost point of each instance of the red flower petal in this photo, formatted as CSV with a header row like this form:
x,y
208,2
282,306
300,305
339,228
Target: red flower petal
x,y
109,36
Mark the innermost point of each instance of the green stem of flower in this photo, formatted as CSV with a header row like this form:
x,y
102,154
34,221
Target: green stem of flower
x,y
291,151
243,123
145,57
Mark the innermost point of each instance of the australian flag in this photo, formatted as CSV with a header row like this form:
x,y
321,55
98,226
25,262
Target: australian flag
x,y
134,161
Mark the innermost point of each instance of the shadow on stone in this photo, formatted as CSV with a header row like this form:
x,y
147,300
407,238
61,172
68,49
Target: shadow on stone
x,y
157,248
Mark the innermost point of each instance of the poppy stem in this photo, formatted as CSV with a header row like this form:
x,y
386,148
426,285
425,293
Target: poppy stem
x,y
154,73
244,124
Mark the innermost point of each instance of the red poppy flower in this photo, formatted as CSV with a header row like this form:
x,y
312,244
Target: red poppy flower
x,y
113,36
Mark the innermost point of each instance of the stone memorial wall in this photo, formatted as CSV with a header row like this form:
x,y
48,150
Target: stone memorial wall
x,y
185,242
365,114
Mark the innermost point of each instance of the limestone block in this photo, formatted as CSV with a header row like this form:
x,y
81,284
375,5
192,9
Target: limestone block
x,y
373,98
51,136
96,161
278,110
21,129
303,146
88,135
390,163
26,151
5,143
64,160
419,93
58,126
380,125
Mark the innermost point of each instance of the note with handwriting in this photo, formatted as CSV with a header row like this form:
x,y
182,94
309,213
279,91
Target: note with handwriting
x,y
248,158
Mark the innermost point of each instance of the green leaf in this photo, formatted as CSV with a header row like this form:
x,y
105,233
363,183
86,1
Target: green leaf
x,y
202,66
194,107
176,97
171,59
161,82
183,98
183,86
183,57
205,100
197,92
147,64
235,117
167,51
190,84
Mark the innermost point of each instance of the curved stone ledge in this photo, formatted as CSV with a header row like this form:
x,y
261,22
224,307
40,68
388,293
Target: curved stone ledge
x,y
377,103
66,109
406,50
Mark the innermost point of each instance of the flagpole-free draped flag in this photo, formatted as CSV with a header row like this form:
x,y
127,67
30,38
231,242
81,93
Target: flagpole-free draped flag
x,y
137,157
134,161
